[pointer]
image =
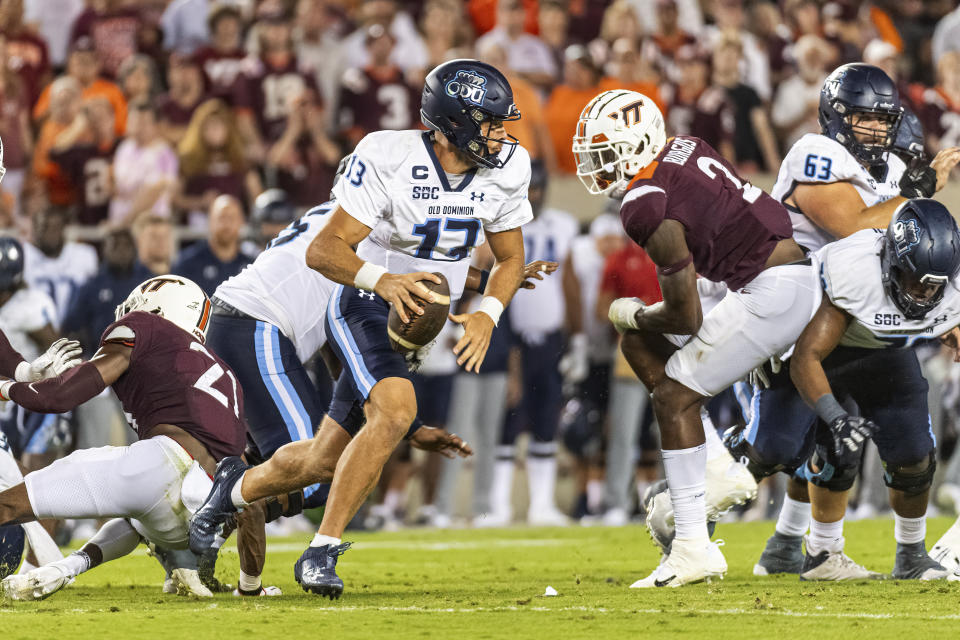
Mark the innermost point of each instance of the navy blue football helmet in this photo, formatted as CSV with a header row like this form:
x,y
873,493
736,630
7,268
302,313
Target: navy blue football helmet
x,y
460,95
860,89
920,254
273,207
909,142
11,263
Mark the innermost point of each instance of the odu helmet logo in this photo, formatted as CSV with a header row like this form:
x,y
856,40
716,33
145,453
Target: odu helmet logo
x,y
469,86
906,235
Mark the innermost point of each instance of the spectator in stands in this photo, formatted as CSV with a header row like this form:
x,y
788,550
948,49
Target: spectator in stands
x,y
629,70
212,162
112,25
531,129
84,65
84,152
54,265
580,84
377,96
755,68
842,29
318,35
65,102
881,53
620,20
52,20
698,108
774,37
803,18
221,59
185,25
946,36
941,105
689,15
554,23
138,79
754,144
527,55
797,102
26,54
446,31
210,262
15,125
185,93
144,169
666,39
410,52
154,239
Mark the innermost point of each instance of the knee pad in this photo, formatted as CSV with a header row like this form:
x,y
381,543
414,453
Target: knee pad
x,y
745,453
829,477
275,509
912,479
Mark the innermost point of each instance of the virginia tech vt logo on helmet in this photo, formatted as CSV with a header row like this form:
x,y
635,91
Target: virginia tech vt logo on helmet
x,y
469,86
906,235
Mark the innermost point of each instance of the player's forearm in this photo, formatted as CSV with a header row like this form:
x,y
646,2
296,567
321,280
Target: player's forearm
x,y
56,395
10,358
333,258
878,216
505,279
573,307
809,377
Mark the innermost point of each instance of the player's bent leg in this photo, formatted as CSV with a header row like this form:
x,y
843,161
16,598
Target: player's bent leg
x,y
15,506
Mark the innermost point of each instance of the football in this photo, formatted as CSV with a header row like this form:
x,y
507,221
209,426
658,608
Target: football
x,y
410,336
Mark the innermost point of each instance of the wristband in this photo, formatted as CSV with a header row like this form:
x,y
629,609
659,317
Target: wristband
x,y
828,409
5,390
22,373
368,275
492,307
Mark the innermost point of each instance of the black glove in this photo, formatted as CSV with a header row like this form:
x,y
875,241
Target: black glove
x,y
850,434
920,182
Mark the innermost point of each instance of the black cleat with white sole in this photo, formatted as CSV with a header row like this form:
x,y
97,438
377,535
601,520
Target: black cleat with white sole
x,y
914,563
316,570
209,519
782,554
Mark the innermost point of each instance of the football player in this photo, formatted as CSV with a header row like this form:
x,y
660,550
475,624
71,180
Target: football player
x,y
692,214
413,202
186,407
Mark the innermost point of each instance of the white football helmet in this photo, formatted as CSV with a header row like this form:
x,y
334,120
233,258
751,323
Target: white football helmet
x,y
177,299
619,133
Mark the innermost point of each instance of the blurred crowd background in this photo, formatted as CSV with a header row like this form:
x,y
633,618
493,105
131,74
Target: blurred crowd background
x,y
155,136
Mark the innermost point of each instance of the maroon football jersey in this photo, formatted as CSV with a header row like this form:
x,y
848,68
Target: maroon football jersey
x,y
710,117
371,101
267,92
173,379
731,225
940,118
220,70
90,170
114,34
27,57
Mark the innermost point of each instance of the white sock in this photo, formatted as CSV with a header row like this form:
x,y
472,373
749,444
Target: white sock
x,y
248,583
595,490
715,448
322,541
794,518
392,502
501,488
686,476
236,496
825,536
909,530
542,480
74,564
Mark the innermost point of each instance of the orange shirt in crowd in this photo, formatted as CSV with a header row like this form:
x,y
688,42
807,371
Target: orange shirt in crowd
x,y
97,88
561,115
483,15
531,114
59,187
646,88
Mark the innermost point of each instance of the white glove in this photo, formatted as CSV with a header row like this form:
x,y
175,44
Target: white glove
x,y
759,378
575,363
62,355
623,313
416,358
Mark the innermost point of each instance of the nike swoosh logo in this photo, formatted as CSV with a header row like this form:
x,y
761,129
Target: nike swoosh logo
x,y
30,386
663,583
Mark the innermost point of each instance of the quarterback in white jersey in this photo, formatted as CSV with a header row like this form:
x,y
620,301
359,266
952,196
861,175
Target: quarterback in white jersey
x,y
414,202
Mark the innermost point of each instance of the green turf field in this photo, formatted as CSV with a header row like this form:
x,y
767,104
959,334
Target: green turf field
x,y
489,584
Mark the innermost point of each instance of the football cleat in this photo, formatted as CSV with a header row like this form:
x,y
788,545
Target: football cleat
x,y
36,584
689,561
263,591
209,519
834,566
914,563
550,517
947,549
206,567
783,554
186,582
316,570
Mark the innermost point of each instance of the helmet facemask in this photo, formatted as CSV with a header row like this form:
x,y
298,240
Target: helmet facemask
x,y
474,144
915,297
870,146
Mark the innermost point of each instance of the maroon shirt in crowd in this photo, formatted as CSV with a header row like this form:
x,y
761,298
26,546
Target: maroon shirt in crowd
x,y
731,226
220,70
173,379
27,56
89,168
709,117
114,34
267,92
377,100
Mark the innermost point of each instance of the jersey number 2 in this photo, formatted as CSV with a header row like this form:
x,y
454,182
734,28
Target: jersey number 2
x,y
215,372
709,165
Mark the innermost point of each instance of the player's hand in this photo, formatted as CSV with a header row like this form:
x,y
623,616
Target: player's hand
x,y
532,271
399,290
850,434
446,444
623,313
951,339
943,163
62,355
472,346
575,363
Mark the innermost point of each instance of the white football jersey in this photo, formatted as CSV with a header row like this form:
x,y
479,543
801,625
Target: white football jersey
x,y
281,289
817,159
59,277
851,278
28,310
548,237
422,218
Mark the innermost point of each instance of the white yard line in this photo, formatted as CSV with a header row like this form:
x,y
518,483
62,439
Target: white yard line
x,y
411,545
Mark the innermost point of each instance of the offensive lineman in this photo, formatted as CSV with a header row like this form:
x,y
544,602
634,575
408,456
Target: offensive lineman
x,y
414,202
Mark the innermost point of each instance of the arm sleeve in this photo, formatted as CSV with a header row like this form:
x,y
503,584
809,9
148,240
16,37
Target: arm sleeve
x,y
60,394
361,192
643,209
9,357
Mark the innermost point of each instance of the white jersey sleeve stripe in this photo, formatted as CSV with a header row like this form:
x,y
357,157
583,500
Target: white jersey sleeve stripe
x,y
633,194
